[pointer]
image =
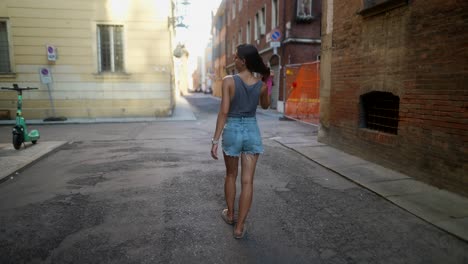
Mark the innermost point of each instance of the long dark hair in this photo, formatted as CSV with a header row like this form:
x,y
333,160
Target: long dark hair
x,y
253,60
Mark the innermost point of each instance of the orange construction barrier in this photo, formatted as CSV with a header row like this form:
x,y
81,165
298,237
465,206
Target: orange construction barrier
x,y
302,92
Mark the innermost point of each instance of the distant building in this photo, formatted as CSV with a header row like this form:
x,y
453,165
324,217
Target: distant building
x,y
291,28
219,48
207,77
394,86
197,76
111,58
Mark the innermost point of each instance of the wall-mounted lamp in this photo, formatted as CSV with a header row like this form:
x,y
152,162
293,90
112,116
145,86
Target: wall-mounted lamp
x,y
176,22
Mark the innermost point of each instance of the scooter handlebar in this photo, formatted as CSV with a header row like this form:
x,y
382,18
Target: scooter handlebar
x,y
19,89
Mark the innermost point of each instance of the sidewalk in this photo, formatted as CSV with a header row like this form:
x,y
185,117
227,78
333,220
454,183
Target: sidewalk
x,y
446,210
12,161
182,112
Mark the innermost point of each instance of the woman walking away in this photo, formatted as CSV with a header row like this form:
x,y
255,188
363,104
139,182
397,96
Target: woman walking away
x,y
241,94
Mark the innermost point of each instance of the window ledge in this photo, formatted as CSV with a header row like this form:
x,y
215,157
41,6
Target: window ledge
x,y
382,7
8,75
112,75
304,19
378,136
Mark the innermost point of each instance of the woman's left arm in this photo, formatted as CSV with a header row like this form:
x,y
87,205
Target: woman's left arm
x,y
222,114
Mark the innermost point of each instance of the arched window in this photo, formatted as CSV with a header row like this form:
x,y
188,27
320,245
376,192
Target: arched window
x,y
379,111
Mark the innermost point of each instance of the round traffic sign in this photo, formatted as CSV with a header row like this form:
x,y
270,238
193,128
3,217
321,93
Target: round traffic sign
x,y
276,35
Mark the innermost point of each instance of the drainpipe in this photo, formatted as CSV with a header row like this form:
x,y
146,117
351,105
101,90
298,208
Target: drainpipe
x,y
283,69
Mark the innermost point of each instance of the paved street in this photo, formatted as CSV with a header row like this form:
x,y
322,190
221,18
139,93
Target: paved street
x,y
150,193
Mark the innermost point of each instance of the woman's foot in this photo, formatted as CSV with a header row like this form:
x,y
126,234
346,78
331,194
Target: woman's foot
x,y
239,231
229,219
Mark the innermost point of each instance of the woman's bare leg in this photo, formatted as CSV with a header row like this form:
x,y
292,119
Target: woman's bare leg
x,y
248,164
232,164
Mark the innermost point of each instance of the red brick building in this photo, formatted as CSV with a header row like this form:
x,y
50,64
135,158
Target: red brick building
x,y
218,33
294,23
394,87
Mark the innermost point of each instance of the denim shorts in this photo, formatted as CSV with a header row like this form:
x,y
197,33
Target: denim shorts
x,y
241,135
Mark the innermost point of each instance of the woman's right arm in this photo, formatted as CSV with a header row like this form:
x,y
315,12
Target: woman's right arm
x,y
265,94
223,112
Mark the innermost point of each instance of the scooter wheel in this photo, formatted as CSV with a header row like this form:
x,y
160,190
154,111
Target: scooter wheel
x,y
17,141
34,141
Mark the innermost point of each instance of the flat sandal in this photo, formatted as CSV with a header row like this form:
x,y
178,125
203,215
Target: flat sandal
x,y
244,230
226,218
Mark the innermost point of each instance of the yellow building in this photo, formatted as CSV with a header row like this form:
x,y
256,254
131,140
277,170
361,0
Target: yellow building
x,y
106,58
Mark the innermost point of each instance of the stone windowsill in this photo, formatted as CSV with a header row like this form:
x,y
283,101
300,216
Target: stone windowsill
x,y
8,75
112,75
377,136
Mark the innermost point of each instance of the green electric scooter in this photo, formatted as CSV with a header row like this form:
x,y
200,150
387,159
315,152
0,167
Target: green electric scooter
x,y
20,131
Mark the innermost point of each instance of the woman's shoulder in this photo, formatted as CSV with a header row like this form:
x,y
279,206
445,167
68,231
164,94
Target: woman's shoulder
x,y
228,77
228,80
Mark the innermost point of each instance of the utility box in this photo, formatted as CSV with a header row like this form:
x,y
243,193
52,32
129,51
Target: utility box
x,y
4,114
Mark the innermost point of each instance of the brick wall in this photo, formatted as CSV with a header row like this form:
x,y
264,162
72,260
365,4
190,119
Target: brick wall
x,y
419,52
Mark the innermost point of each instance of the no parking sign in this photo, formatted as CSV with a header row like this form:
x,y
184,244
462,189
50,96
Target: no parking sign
x,y
51,53
46,77
276,35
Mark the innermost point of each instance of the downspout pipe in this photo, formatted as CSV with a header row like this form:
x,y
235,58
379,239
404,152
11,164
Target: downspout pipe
x,y
283,69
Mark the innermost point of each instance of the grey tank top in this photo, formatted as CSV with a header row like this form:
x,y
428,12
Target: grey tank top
x,y
245,100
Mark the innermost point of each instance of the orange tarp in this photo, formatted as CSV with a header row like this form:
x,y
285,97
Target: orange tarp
x,y
303,86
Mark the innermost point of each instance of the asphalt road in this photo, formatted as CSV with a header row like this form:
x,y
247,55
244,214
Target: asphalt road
x,y
150,193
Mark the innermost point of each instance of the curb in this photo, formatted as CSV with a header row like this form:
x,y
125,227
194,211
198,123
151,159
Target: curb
x,y
461,237
25,162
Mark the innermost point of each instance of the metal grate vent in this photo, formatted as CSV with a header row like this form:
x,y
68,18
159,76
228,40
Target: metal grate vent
x,y
379,111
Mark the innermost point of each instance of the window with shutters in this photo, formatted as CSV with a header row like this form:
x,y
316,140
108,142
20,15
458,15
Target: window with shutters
x,y
274,14
257,26
233,9
247,33
5,62
110,48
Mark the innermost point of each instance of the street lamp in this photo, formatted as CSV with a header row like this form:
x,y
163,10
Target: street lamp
x,y
181,12
177,22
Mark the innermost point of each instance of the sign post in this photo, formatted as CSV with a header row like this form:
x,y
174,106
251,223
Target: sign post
x,y
46,78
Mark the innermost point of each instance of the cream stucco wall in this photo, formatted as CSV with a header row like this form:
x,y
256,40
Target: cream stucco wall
x,y
78,89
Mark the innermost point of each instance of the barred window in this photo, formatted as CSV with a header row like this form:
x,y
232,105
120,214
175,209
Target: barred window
x,y
379,111
110,48
4,48
374,7
373,3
